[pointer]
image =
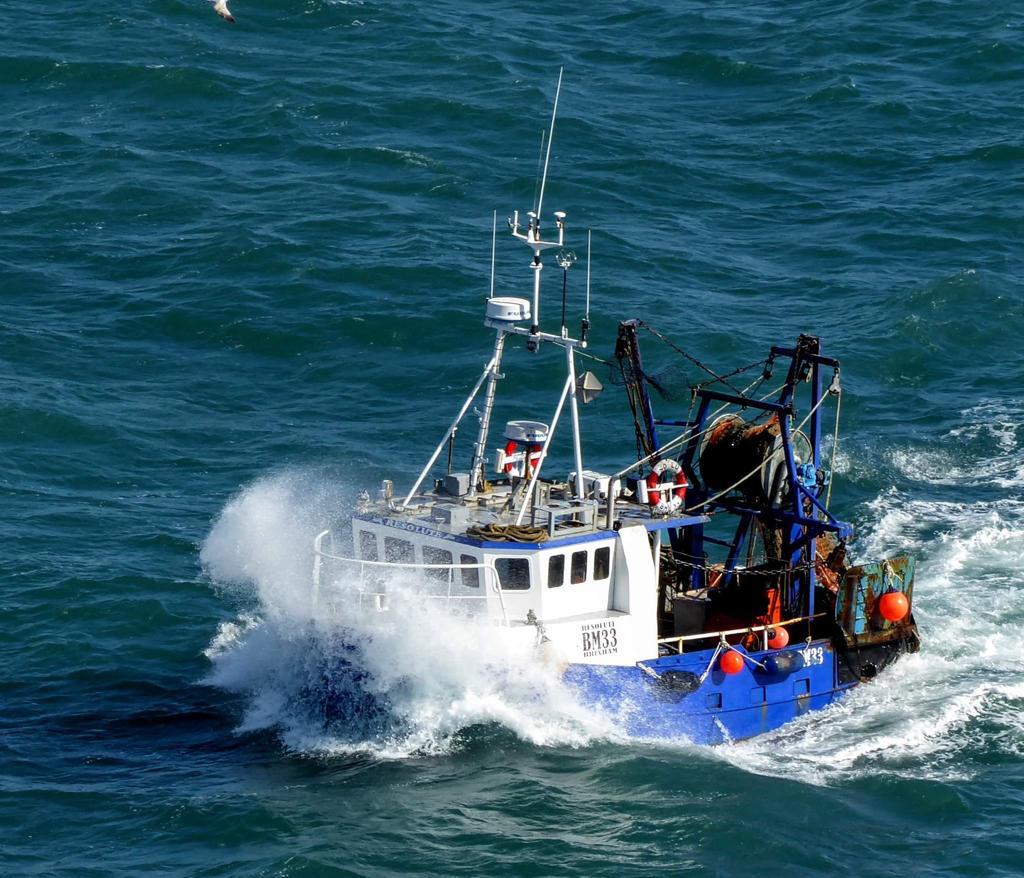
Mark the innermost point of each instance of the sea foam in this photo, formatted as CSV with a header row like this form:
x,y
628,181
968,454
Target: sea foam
x,y
336,676
963,694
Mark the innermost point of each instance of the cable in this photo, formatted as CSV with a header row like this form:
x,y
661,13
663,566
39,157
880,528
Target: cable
x,y
832,456
757,468
689,434
714,375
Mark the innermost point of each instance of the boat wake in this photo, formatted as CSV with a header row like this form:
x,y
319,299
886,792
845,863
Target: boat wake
x,y
412,681
958,705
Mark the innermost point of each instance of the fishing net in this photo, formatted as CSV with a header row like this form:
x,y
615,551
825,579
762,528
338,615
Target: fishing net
x,y
671,382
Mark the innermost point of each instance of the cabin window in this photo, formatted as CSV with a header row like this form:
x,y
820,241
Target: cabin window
x,y
513,573
556,571
397,551
603,562
579,567
437,556
470,575
367,545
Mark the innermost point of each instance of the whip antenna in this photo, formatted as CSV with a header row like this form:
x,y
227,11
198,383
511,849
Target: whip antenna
x,y
586,314
585,325
551,134
540,168
494,242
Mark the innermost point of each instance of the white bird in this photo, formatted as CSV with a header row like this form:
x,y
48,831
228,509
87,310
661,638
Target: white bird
x,y
221,8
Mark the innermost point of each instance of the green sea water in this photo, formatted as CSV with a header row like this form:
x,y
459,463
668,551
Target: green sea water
x,y
243,270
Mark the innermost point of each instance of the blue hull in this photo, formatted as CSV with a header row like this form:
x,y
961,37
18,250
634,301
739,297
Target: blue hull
x,y
676,704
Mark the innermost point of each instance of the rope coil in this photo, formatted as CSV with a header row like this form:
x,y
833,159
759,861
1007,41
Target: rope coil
x,y
508,533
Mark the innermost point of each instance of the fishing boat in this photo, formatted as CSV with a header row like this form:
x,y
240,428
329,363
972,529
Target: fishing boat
x,y
702,592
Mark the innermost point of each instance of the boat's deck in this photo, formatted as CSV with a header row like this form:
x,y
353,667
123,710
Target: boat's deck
x,y
555,511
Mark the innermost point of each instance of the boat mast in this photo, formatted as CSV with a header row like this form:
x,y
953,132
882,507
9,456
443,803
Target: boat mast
x,y
503,315
574,413
533,228
532,238
476,469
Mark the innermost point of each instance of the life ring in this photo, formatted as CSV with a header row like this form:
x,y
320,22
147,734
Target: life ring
x,y
667,496
510,449
534,458
531,457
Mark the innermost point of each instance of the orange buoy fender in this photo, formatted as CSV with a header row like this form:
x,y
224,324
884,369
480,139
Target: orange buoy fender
x,y
778,638
893,606
731,662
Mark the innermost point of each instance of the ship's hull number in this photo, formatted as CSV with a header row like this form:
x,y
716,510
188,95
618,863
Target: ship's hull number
x,y
813,655
599,638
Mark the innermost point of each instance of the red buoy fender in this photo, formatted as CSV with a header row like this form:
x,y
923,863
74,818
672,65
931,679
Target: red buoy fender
x,y
731,662
681,486
893,606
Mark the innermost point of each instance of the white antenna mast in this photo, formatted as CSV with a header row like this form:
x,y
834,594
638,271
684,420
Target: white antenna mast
x,y
508,315
585,327
532,236
494,244
587,312
551,136
540,168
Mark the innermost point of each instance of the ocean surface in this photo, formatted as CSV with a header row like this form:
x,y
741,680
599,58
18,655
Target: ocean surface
x,y
243,270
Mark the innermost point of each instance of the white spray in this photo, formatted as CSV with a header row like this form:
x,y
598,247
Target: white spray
x,y
352,679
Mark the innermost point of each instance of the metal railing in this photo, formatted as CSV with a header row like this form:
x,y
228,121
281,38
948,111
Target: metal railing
x,y
718,635
491,581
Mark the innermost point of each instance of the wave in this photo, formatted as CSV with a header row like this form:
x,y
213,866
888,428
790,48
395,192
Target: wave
x,y
333,676
985,451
